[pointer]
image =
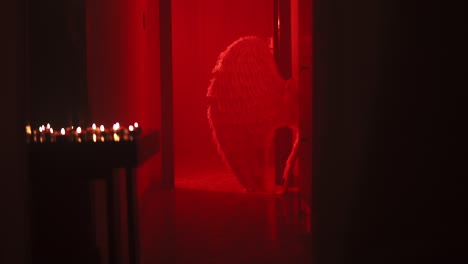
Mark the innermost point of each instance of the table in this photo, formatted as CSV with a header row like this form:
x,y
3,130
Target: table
x,y
108,155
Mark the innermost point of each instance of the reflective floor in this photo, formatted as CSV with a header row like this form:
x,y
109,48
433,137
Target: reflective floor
x,y
209,219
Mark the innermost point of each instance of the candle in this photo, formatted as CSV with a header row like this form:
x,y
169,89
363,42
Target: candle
x,y
51,135
94,132
90,132
28,134
102,133
35,136
131,132
61,137
79,135
116,137
117,132
44,133
136,130
41,133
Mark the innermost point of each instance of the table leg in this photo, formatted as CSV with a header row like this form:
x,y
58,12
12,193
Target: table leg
x,y
111,243
132,217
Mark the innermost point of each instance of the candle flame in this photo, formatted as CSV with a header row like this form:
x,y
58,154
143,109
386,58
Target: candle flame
x,y
135,124
28,129
130,128
40,129
62,131
78,129
51,130
101,128
94,126
94,137
116,137
116,126
48,126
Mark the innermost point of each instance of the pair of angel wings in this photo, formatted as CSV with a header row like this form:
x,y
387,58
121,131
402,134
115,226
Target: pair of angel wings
x,y
248,101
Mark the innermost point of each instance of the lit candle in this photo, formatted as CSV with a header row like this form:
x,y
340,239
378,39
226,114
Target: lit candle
x,y
116,137
117,132
90,131
79,135
41,133
94,132
136,130
51,135
28,134
35,135
102,133
61,137
131,133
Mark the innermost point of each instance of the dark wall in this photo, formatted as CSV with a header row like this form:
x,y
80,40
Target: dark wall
x,y
376,194
305,75
14,231
57,62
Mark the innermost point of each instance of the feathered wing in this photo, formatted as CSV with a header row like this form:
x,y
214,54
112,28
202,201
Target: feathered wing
x,y
246,95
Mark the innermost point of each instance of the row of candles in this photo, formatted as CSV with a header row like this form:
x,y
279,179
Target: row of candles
x,y
117,133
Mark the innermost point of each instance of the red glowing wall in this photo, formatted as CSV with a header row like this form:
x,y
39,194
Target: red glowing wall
x,y
123,67
201,30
